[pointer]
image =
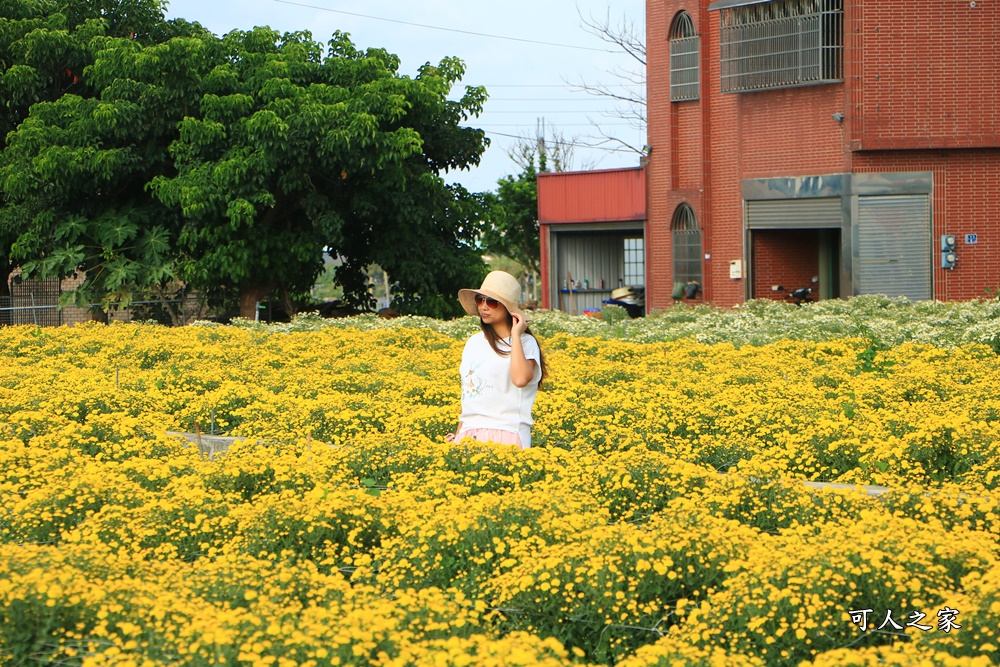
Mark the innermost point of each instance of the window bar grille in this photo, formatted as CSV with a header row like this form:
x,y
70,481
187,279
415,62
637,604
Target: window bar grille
x,y
685,48
781,44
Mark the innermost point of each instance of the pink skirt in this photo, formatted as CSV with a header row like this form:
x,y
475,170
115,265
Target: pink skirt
x,y
490,435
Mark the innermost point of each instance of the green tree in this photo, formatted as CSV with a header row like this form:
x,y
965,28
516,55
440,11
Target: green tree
x,y
232,162
40,59
77,158
513,229
294,148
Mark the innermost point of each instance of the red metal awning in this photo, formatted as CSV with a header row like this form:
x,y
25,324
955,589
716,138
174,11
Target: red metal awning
x,y
607,195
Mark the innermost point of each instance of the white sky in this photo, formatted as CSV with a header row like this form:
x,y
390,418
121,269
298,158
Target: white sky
x,y
526,81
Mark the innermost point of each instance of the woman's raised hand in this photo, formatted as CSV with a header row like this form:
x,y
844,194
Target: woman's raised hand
x,y
519,326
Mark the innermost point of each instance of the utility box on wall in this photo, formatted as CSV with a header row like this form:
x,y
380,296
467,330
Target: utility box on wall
x,y
948,256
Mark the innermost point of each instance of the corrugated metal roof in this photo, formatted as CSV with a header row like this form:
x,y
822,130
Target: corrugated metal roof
x,y
610,195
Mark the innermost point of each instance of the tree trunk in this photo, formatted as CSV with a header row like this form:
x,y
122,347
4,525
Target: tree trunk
x,y
176,314
288,304
250,296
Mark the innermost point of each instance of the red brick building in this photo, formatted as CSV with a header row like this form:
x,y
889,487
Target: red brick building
x,y
834,138
845,139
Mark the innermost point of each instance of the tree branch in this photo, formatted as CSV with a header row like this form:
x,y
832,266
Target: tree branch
x,y
630,101
624,35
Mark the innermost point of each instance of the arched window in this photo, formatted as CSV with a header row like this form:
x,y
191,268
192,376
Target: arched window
x,y
684,56
687,245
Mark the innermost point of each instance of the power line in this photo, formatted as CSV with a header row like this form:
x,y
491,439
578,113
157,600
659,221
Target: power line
x,y
484,125
569,86
434,27
543,111
573,100
535,99
553,141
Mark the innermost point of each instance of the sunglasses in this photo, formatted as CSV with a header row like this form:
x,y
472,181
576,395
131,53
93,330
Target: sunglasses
x,y
491,303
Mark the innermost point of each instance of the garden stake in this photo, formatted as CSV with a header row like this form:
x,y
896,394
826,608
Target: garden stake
x,y
197,434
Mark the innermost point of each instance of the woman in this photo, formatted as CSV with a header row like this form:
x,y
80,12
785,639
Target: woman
x,y
502,366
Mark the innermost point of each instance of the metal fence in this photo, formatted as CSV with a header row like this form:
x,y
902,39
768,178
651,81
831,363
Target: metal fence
x,y
31,302
36,302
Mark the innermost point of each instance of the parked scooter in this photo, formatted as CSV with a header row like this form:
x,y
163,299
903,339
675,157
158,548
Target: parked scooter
x,y
802,294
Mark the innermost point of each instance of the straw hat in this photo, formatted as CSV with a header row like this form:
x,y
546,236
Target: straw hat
x,y
621,292
498,285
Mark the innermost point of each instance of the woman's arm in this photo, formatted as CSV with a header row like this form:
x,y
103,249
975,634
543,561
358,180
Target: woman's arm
x,y
522,370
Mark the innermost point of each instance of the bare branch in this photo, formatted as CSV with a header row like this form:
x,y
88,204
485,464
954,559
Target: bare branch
x,y
550,149
634,104
624,35
629,96
610,143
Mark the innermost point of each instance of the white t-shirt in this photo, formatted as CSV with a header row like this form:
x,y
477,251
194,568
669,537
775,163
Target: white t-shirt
x,y
489,397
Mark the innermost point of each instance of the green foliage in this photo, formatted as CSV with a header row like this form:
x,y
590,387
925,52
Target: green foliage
x,y
513,228
74,168
513,211
868,361
293,150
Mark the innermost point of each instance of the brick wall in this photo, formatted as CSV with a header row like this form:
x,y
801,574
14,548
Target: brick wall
x,y
662,131
791,131
927,74
786,258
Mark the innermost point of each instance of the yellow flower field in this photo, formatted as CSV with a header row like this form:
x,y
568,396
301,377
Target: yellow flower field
x,y
661,518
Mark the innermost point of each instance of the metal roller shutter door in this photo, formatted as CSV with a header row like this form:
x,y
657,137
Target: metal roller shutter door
x,y
819,213
894,246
